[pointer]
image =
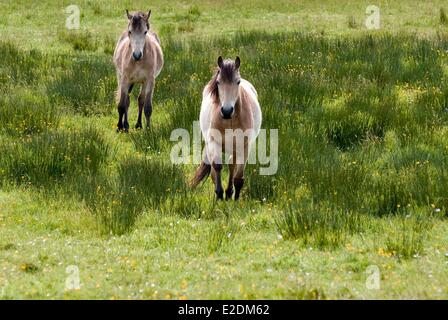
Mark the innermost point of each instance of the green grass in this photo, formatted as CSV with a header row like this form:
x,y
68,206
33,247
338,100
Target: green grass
x,y
443,17
46,159
363,145
317,225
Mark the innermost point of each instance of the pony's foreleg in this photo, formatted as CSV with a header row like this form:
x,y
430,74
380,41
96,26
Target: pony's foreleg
x,y
238,178
229,190
123,106
148,100
214,155
141,102
216,176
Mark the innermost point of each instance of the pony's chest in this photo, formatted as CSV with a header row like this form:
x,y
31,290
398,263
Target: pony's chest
x,y
222,125
137,75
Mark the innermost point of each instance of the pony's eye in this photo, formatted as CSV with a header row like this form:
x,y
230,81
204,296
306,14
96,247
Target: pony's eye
x,y
129,32
146,32
239,81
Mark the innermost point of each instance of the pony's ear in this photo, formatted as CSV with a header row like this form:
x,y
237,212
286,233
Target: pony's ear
x,y
149,14
237,63
128,14
220,62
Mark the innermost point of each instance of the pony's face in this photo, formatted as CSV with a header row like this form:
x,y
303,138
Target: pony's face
x,y
228,81
137,30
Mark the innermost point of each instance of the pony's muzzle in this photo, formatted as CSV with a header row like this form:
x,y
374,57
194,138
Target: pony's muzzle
x,y
137,55
227,112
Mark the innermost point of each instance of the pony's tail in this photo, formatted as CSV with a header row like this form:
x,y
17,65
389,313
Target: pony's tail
x,y
202,172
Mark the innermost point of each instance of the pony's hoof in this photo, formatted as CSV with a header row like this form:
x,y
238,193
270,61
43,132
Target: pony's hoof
x,y
121,130
138,126
219,196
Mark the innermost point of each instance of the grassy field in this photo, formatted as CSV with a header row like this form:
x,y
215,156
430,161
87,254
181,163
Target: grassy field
x,y
363,144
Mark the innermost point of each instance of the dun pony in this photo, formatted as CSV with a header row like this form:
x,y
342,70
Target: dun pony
x,y
138,58
230,121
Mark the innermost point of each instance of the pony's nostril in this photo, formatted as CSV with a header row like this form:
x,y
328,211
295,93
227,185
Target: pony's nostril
x,y
137,55
226,112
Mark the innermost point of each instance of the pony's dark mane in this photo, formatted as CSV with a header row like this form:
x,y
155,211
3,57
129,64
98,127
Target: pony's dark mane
x,y
137,19
227,71
212,87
